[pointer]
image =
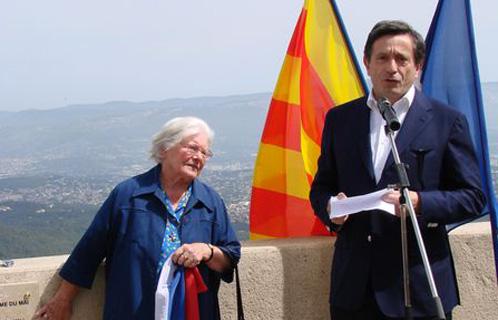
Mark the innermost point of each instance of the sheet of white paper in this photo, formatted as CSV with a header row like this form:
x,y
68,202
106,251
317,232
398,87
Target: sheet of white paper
x,y
351,205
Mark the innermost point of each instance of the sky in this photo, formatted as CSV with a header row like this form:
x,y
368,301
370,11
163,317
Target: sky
x,y
55,53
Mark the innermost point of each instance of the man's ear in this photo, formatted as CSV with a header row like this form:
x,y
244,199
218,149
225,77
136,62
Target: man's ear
x,y
366,64
419,69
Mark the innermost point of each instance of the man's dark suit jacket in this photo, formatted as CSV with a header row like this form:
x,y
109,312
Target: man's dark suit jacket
x,y
435,143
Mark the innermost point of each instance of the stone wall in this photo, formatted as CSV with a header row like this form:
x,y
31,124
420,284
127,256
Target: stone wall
x,y
286,279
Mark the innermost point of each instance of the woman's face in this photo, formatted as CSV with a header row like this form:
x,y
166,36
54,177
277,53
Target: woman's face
x,y
186,159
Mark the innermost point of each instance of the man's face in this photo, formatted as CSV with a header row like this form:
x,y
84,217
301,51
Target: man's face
x,y
392,66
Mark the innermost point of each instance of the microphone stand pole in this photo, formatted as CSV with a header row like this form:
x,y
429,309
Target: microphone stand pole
x,y
406,205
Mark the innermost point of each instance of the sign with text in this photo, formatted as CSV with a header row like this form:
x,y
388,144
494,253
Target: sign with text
x,y
18,301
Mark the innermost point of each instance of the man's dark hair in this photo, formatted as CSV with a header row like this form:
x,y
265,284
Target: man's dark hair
x,y
392,28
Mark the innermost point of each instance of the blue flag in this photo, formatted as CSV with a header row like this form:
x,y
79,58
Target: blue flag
x,y
451,75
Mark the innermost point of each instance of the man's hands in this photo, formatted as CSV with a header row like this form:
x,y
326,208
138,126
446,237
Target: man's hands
x,y
338,220
390,197
393,197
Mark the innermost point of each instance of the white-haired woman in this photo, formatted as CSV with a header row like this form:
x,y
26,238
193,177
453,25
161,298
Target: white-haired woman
x,y
163,213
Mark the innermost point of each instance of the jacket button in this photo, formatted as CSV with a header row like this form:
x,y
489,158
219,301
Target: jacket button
x,y
369,238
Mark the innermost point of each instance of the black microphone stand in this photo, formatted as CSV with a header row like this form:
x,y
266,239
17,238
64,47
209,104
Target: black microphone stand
x,y
406,205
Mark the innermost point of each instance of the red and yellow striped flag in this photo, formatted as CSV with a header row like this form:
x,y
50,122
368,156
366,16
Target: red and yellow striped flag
x,y
318,73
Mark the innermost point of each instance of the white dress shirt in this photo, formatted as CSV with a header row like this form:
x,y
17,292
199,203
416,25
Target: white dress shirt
x,y
379,142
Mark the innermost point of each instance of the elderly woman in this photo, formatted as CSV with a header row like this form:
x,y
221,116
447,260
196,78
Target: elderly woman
x,y
165,212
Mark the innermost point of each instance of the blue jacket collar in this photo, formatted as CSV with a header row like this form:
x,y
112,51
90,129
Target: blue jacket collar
x,y
149,182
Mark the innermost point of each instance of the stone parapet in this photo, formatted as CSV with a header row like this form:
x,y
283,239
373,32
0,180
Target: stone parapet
x,y
286,279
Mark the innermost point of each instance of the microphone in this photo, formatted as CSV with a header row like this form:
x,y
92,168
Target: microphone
x,y
387,112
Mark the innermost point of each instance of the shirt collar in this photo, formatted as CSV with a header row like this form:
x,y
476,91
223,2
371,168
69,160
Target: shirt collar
x,y
405,101
150,182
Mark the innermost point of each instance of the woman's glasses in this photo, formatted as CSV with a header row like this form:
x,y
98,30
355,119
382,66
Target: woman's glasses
x,y
193,149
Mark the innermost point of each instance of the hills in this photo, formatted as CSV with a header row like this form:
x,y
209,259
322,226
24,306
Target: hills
x,y
58,165
113,137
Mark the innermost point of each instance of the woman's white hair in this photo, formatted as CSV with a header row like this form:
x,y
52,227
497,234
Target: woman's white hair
x,y
174,131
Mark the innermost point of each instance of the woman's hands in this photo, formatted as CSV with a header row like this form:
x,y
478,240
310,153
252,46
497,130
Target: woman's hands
x,y
60,307
190,255
55,309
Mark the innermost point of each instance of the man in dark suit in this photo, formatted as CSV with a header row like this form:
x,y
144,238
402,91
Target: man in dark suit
x,y
434,142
